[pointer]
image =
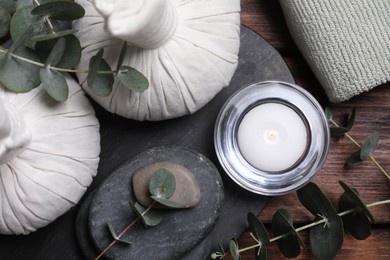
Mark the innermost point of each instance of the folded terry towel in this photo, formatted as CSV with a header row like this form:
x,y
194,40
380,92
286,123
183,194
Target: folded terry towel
x,y
345,42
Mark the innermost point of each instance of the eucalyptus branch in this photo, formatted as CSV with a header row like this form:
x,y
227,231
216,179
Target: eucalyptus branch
x,y
42,65
323,220
358,145
126,229
302,228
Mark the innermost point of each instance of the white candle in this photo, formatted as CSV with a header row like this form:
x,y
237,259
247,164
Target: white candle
x,y
272,137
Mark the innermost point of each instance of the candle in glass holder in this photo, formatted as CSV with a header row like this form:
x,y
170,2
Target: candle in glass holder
x,y
272,137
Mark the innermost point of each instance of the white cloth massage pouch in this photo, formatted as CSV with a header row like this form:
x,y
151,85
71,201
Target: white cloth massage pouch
x,y
187,49
49,153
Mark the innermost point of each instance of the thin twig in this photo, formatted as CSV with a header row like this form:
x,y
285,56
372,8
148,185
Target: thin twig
x,y
125,230
358,145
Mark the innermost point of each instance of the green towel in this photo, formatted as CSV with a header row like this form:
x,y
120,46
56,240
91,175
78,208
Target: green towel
x,y
345,42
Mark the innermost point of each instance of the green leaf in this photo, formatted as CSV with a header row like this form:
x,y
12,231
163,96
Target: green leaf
x,y
261,253
121,56
23,3
325,239
354,159
99,83
282,224
351,119
354,195
54,83
5,20
369,146
20,76
132,79
72,50
328,113
357,222
233,246
260,233
257,228
337,132
115,237
168,203
152,218
221,248
56,53
162,184
20,40
8,5
21,20
50,36
62,10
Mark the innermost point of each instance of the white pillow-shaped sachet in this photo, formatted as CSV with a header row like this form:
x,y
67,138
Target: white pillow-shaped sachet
x,y
187,49
49,153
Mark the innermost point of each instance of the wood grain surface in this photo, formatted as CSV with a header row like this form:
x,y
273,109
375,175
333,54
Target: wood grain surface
x,y
373,114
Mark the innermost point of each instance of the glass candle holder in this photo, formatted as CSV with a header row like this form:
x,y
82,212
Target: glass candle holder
x,y
271,137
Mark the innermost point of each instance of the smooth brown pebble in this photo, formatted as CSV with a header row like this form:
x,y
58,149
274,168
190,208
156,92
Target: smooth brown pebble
x,y
187,191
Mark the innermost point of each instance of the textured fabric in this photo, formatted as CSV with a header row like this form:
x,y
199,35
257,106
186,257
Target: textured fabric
x,y
52,171
185,71
345,42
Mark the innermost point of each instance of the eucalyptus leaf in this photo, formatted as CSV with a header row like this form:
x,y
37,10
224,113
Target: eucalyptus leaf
x,y
221,248
282,224
354,195
8,5
21,20
72,51
351,119
168,203
337,132
328,113
261,253
115,237
233,246
49,36
21,39
23,3
121,56
357,222
61,10
162,184
354,159
56,53
257,228
5,20
54,83
369,145
99,83
315,201
20,76
152,218
325,239
132,79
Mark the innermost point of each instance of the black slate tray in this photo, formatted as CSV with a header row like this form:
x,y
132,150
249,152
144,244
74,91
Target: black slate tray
x,y
123,139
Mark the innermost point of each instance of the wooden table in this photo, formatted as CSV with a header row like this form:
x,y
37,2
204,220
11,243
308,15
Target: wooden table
x,y
373,114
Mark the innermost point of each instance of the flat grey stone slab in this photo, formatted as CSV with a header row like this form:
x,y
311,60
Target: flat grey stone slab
x,y
180,229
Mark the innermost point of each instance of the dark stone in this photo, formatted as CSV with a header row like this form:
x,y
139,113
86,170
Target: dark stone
x,y
122,139
180,230
187,191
